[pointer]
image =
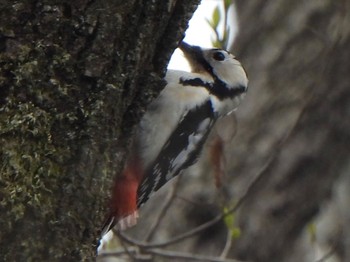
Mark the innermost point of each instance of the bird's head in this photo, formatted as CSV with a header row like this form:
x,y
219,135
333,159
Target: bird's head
x,y
219,64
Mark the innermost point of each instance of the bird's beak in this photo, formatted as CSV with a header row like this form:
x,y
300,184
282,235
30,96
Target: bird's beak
x,y
194,56
186,48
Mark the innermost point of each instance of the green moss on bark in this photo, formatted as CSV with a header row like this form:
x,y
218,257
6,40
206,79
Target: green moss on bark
x,y
74,78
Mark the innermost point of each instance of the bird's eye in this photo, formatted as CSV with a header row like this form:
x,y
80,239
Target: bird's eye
x,y
219,56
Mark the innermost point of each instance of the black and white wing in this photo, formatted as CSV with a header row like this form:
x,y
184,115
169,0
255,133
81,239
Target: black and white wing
x,y
180,151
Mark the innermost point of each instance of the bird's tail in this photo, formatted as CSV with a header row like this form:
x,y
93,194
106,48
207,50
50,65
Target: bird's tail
x,y
123,206
119,224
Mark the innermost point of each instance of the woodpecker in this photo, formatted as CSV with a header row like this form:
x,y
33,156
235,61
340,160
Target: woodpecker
x,y
172,132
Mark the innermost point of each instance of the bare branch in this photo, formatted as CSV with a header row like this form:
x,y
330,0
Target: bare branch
x,y
170,197
326,256
131,250
131,255
166,253
118,252
188,256
128,240
228,244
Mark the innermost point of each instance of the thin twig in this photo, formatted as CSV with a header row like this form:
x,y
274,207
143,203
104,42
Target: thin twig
x,y
128,240
136,256
327,255
117,252
131,255
224,40
188,256
192,202
228,244
166,205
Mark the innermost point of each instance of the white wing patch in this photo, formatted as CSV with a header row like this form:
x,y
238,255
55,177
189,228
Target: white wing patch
x,y
193,140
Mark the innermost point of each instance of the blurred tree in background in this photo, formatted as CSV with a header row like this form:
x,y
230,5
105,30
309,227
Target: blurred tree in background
x,y
295,120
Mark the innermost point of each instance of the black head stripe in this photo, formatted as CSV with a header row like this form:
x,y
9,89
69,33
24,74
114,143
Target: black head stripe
x,y
222,91
218,88
195,82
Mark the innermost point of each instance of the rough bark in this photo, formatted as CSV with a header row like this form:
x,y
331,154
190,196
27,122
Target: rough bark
x,y
75,77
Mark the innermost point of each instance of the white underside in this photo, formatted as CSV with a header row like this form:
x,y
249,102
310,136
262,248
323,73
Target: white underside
x,y
156,126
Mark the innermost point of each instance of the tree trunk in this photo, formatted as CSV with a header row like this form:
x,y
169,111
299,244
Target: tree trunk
x,y
75,77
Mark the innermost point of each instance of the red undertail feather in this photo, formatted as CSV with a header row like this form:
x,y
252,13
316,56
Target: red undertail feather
x,y
123,203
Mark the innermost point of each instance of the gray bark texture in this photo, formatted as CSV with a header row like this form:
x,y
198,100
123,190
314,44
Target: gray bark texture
x,y
291,150
75,77
296,117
